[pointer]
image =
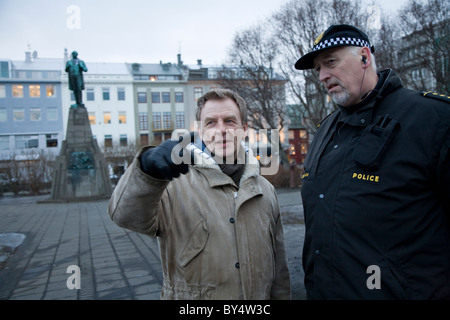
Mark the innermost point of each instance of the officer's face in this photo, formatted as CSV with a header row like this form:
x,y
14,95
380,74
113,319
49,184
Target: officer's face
x,y
222,129
341,74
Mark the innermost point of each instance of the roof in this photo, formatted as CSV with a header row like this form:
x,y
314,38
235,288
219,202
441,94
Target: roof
x,y
154,69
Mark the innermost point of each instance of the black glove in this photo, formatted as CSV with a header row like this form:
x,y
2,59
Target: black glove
x,y
157,162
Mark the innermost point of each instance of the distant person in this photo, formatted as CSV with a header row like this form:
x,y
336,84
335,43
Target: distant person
x,y
216,218
75,68
376,185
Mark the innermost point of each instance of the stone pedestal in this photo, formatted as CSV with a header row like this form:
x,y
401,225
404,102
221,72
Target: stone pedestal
x,y
80,171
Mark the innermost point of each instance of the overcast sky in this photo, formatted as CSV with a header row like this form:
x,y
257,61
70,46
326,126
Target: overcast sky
x,y
146,31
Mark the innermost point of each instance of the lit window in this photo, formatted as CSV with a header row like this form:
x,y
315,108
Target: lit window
x,y
122,117
35,114
52,140
91,116
106,117
17,91
50,90
35,91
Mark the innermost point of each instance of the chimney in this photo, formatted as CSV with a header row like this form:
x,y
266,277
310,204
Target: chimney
x,y
27,56
179,62
199,62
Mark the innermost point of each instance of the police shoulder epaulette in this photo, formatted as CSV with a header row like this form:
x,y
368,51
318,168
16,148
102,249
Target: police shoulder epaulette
x,y
326,118
436,95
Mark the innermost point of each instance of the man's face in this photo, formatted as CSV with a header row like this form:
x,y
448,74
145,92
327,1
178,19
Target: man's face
x,y
341,74
221,128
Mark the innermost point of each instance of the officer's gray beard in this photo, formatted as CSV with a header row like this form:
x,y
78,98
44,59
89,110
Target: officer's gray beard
x,y
342,97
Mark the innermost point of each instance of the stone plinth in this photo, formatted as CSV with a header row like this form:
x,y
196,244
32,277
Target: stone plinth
x,y
80,169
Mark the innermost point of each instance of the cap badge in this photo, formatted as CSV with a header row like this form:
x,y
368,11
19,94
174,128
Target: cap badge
x,y
318,38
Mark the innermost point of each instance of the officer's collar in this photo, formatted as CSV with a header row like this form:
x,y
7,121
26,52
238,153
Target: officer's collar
x,y
382,88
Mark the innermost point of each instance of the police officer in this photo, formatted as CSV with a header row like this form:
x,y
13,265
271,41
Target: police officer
x,y
376,185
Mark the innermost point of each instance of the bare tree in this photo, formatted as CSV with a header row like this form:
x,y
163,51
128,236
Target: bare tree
x,y
251,74
296,26
426,30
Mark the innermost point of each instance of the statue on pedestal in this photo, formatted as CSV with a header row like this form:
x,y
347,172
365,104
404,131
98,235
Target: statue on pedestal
x,y
75,68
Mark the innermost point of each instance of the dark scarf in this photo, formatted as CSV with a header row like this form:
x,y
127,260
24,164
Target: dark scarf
x,y
234,171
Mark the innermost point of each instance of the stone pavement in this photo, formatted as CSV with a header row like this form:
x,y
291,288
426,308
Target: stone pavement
x,y
47,239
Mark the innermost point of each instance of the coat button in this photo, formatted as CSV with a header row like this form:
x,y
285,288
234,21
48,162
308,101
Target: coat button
x,y
321,196
232,220
236,265
317,252
363,121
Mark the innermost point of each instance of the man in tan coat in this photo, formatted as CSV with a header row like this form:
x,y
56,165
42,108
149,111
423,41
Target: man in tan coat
x,y
218,221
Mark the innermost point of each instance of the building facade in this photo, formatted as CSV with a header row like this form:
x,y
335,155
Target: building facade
x,y
31,112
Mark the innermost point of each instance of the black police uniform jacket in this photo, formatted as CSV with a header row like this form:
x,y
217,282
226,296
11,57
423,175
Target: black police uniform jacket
x,y
376,198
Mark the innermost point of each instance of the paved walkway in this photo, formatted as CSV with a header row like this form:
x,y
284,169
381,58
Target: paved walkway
x,y
115,263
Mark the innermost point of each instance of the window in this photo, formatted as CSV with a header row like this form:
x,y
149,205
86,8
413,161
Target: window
x,y
303,148
19,114
142,97
3,115
35,91
90,94
156,97
198,92
166,97
27,142
2,91
120,94
303,134
157,121
4,142
143,121
179,97
108,141
105,94
106,117
180,120
50,91
144,139
167,120
52,113
122,117
123,140
35,114
17,91
91,116
51,140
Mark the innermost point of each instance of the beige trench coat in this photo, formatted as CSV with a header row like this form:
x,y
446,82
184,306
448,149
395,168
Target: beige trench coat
x,y
217,241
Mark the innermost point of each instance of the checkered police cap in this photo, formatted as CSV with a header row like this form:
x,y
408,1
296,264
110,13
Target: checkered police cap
x,y
334,36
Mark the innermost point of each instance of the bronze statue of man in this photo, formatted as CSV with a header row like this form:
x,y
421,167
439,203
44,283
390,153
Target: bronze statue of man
x,y
75,67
